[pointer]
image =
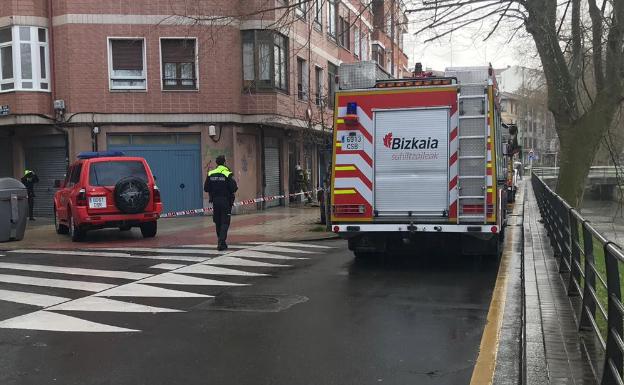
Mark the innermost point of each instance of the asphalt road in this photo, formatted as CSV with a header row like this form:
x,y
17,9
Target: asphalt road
x,y
325,319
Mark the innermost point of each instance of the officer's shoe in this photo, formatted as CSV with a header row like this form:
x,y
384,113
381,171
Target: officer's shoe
x,y
221,247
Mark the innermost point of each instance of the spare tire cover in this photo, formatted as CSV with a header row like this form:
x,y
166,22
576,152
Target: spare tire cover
x,y
131,195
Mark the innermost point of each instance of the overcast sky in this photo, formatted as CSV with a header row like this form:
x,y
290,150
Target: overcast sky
x,y
466,48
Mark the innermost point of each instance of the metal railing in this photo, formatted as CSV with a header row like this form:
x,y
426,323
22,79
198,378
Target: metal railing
x,y
595,172
592,265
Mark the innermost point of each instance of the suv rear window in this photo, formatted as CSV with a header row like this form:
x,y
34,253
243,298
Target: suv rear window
x,y
109,173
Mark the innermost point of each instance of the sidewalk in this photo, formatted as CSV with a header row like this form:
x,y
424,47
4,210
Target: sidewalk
x,y
554,351
297,223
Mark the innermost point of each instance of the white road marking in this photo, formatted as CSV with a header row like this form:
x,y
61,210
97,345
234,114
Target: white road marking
x,y
60,283
92,303
74,271
44,320
208,246
140,290
111,255
157,250
258,254
31,298
179,279
275,249
296,244
70,252
214,270
167,266
232,261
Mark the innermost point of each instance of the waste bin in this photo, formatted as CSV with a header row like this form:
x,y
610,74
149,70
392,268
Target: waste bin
x,y
13,209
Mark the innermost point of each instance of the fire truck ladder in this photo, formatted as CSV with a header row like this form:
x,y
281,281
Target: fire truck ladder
x,y
472,159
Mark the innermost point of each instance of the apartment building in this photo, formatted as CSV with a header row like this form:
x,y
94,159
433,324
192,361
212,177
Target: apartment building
x,y
180,83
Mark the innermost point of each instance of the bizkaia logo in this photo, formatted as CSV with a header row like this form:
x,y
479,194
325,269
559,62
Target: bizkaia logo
x,y
409,143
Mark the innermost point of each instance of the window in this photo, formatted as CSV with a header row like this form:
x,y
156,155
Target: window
x,y
332,70
178,64
109,173
302,79
301,9
127,64
318,14
357,48
344,33
378,55
318,77
331,18
364,47
265,60
24,59
75,175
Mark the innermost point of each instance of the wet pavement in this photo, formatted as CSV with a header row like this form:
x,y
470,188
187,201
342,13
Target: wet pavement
x,y
324,318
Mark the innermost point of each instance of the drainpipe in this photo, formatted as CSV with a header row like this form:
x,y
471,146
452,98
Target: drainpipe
x,y
262,166
52,68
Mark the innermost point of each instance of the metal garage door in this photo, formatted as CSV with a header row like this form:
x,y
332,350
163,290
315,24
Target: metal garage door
x,y
49,163
272,170
177,168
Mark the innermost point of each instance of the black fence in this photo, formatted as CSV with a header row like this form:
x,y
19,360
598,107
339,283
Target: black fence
x,y
593,267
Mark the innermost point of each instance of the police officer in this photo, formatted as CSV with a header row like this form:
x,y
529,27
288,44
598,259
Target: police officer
x,y
221,186
29,179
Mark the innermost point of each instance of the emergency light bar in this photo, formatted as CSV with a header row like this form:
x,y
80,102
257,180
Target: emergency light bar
x,y
98,154
415,82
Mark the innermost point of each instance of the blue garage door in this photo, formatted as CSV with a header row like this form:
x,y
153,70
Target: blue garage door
x,y
176,166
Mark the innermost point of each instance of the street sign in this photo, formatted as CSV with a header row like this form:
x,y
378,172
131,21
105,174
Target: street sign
x,y
5,110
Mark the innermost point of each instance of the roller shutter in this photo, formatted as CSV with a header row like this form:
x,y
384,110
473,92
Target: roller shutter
x,y
272,170
49,163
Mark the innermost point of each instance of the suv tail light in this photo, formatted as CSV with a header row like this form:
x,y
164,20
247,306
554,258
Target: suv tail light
x,y
156,194
81,198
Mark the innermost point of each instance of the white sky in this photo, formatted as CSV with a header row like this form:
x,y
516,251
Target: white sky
x,y
466,47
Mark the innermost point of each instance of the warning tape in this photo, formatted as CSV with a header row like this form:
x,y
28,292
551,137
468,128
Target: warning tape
x,y
245,202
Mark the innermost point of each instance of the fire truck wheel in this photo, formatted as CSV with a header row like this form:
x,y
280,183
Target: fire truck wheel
x,y
364,255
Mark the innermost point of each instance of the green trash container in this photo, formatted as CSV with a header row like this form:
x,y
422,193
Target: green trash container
x,y
13,209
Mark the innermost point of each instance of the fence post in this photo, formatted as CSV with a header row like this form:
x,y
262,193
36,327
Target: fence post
x,y
612,373
575,257
589,306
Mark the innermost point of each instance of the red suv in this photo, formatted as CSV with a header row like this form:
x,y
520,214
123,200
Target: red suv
x,y
107,189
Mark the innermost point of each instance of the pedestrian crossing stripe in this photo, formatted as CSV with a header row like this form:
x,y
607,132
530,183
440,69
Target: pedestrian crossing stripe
x,y
205,262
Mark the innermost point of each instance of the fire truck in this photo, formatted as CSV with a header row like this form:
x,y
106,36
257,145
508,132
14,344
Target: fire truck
x,y
418,161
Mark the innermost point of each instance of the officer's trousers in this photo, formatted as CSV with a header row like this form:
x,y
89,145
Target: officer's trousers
x,y
221,217
31,206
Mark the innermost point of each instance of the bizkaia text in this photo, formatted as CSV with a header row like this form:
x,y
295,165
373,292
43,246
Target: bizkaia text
x,y
409,143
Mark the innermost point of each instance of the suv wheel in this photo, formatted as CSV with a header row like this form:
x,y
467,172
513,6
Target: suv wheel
x,y
75,232
58,226
148,229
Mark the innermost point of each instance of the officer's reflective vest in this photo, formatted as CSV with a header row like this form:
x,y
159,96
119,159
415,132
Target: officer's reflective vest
x,y
221,169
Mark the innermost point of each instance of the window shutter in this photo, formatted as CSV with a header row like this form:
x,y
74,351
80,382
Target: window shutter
x,y
127,54
178,50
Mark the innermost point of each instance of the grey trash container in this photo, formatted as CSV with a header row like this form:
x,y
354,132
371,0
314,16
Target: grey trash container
x,y
13,209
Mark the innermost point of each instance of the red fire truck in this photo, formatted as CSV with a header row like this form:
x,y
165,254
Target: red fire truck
x,y
418,161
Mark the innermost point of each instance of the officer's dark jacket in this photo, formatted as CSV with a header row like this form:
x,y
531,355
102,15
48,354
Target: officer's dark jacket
x,y
220,184
29,180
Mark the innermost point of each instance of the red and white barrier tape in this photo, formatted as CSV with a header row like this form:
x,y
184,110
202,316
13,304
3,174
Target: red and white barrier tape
x,y
236,204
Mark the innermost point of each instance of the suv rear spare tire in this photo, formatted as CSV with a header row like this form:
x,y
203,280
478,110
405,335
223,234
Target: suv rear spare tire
x,y
131,195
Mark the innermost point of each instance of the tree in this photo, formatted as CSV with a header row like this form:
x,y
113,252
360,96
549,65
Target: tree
x,y
570,45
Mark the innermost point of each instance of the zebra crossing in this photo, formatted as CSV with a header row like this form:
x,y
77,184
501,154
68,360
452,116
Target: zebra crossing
x,y
51,288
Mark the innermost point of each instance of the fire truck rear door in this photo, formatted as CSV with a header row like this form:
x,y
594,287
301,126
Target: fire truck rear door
x,y
411,162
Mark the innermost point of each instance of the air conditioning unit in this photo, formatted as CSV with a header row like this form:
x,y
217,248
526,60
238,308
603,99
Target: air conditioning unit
x,y
59,105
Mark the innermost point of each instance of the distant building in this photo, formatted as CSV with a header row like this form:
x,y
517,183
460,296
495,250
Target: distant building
x,y
180,82
523,103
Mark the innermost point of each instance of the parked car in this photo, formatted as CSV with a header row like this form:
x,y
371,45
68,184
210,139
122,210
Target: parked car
x,y
107,189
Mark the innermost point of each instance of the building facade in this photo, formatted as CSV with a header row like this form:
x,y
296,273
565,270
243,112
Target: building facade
x,y
180,83
523,103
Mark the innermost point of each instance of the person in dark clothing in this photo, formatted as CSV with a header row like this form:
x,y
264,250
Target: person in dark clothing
x,y
221,186
29,179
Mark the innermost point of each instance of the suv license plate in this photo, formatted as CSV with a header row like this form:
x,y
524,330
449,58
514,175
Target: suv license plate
x,y
97,202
